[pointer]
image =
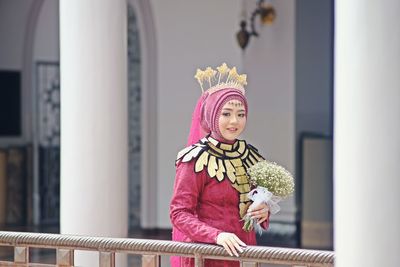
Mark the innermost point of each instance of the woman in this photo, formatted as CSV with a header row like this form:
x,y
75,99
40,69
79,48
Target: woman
x,y
211,185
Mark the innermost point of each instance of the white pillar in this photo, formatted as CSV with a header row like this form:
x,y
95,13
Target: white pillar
x,y
367,133
94,135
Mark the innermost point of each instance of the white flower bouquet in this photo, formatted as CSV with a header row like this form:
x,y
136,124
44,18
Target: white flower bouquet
x,y
273,183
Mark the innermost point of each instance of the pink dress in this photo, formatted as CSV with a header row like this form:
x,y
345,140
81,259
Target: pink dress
x,y
201,208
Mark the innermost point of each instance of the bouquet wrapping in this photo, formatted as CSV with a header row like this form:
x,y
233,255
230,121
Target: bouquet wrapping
x,y
272,184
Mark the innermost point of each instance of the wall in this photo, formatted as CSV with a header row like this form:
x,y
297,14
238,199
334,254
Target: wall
x,y
13,26
46,42
17,26
269,61
13,18
190,34
314,66
314,114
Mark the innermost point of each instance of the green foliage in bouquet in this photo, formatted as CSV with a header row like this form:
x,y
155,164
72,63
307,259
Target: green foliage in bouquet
x,y
273,177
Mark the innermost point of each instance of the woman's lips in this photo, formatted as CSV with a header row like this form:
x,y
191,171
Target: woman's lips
x,y
232,129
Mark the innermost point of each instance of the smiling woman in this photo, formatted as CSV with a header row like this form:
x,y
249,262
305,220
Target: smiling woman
x,y
211,189
232,120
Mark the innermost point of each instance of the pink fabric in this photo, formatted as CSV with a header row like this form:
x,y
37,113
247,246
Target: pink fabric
x,y
200,209
196,132
207,111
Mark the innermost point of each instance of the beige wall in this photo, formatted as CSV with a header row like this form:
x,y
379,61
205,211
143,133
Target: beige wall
x,y
270,63
47,45
190,34
13,19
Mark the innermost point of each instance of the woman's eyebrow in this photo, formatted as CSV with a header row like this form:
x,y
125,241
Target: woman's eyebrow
x,y
230,109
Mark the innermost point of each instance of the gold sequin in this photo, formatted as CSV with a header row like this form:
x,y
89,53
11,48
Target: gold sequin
x,y
212,166
240,171
201,162
242,179
237,162
230,170
234,154
225,146
244,197
216,149
221,170
242,147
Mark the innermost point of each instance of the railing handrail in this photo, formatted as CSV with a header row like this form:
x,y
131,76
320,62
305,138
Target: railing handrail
x,y
275,255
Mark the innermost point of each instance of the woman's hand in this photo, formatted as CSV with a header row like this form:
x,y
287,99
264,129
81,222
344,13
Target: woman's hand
x,y
259,212
231,243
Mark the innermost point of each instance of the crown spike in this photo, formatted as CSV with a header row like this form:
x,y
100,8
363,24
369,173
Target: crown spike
x,y
242,79
200,77
221,78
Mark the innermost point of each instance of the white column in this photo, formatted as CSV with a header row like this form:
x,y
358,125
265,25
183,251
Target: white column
x,y
94,140
367,133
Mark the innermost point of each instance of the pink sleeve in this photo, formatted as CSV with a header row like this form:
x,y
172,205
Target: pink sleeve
x,y
187,190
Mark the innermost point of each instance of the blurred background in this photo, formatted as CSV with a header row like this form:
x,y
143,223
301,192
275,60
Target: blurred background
x,y
284,46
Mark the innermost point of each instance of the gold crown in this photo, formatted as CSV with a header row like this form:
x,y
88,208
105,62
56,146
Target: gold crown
x,y
221,78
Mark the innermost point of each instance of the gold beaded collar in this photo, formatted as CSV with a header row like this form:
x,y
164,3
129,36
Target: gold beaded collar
x,y
224,160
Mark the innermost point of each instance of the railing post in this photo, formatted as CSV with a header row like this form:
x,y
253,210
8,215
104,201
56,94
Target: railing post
x,y
198,260
21,254
249,264
65,257
150,261
107,259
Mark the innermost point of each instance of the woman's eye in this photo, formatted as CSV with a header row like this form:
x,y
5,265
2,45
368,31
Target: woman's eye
x,y
242,115
226,114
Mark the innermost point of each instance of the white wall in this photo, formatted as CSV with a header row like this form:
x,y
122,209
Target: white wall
x,y
269,61
47,40
190,34
13,18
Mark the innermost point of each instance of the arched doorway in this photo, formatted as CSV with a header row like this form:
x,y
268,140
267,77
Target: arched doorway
x,y
146,205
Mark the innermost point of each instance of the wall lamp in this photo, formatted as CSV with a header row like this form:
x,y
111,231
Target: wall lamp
x,y
267,16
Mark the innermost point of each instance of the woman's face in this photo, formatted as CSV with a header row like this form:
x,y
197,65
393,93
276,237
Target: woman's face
x,y
232,120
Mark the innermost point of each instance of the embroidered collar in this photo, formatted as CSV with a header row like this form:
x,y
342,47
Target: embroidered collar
x,y
222,160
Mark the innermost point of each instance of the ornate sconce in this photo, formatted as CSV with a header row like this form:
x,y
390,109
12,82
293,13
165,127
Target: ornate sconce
x,y
267,15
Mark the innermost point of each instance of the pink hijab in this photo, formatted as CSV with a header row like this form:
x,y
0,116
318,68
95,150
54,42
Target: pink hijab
x,y
207,111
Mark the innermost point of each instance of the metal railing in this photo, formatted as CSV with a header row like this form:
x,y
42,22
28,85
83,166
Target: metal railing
x,y
151,250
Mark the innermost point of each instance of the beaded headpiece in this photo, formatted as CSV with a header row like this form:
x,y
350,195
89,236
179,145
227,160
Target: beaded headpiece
x,y
211,80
